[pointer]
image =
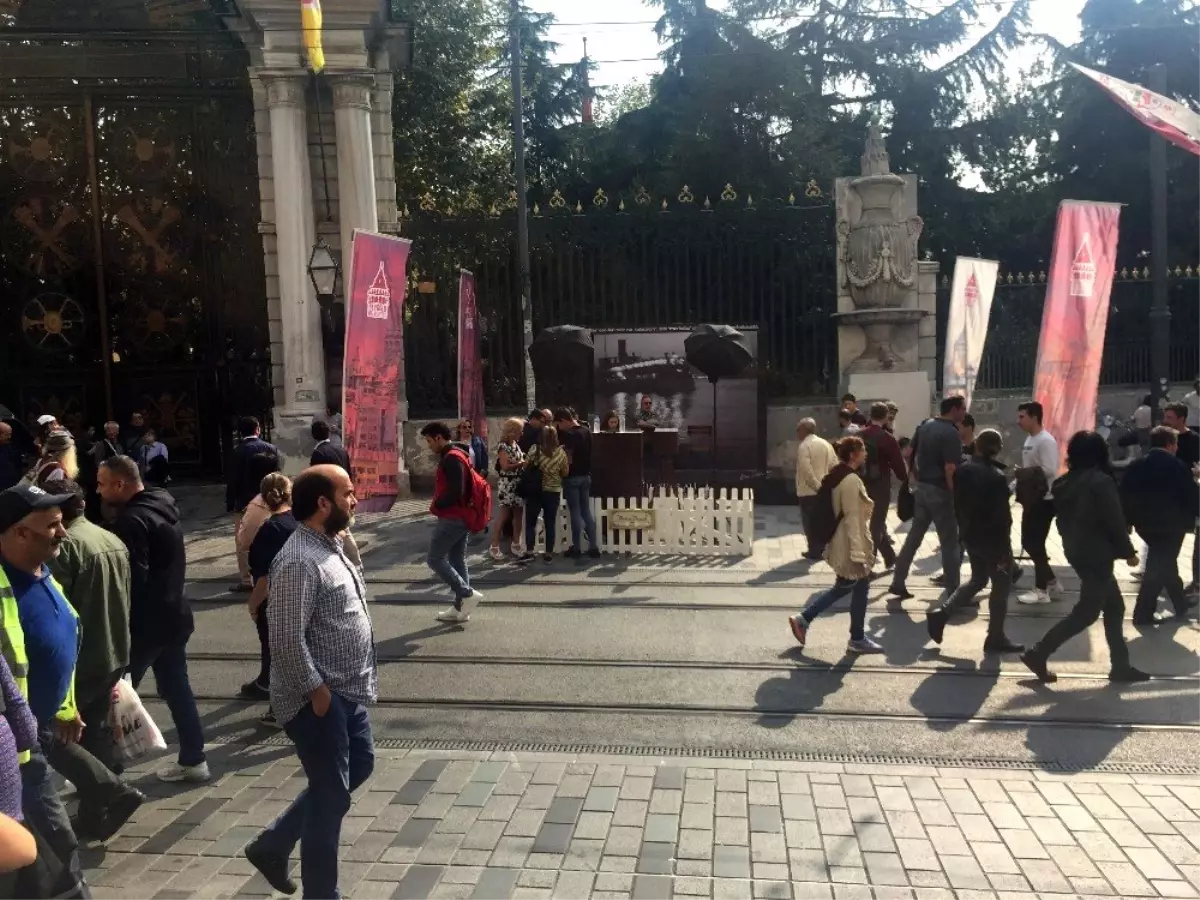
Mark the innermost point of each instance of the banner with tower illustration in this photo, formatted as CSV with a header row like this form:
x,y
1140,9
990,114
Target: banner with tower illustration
x,y
373,366
470,360
966,330
1075,318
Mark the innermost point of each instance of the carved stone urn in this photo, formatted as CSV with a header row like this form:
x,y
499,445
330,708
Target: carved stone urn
x,y
878,256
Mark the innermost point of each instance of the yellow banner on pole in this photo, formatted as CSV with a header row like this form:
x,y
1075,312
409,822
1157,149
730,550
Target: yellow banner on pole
x,y
310,17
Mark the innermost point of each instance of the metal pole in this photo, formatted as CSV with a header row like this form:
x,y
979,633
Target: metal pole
x,y
518,127
1160,311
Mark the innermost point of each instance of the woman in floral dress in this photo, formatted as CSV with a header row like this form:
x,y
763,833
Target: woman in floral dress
x,y
509,507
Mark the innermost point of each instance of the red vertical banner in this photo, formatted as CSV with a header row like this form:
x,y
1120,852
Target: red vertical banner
x,y
1075,317
470,362
373,367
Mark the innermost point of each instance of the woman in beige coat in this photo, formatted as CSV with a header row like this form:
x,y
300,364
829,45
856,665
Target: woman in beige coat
x,y
850,552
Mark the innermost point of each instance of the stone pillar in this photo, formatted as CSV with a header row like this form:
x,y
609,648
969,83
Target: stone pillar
x,y
355,162
303,353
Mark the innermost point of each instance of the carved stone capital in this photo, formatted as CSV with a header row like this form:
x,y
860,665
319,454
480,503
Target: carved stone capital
x,y
284,90
352,91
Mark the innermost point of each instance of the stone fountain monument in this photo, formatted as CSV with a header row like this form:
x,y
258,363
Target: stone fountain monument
x,y
886,296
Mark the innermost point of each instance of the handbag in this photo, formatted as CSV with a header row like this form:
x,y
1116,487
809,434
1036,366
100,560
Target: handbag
x,y
905,504
134,733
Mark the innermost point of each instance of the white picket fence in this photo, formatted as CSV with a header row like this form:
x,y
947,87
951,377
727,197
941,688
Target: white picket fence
x,y
692,521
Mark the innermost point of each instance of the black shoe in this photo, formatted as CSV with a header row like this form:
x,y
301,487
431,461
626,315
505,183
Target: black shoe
x,y
594,553
1127,675
1190,602
1192,589
1002,645
241,588
1017,573
573,553
252,690
939,579
120,811
547,557
900,591
1037,665
1145,621
935,622
274,868
813,556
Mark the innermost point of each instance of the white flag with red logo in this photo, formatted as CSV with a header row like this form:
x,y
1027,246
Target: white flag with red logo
x,y
1178,123
970,306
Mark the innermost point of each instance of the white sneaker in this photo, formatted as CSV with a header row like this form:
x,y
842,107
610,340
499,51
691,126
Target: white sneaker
x,y
1036,598
453,615
1053,590
175,772
470,602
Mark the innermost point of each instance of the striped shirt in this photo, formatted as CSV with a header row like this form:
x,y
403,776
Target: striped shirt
x,y
320,629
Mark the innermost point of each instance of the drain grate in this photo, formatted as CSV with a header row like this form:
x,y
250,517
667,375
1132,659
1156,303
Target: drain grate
x,y
1125,768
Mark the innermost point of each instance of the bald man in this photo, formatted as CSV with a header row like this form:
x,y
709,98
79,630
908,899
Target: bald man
x,y
323,676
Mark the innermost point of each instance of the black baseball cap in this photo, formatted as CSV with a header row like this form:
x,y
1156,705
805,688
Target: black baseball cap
x,y
19,501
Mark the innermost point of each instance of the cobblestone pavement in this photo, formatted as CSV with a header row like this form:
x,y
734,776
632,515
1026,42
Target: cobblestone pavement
x,y
496,825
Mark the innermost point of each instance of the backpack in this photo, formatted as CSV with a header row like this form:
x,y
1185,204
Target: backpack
x,y
824,524
872,470
477,497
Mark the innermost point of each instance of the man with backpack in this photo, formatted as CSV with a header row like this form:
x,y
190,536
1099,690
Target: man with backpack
x,y
462,502
883,460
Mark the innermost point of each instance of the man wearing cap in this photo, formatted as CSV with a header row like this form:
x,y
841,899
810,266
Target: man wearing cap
x,y
39,635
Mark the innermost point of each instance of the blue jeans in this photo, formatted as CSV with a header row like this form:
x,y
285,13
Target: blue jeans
x,y
547,502
448,557
338,755
577,489
171,678
933,504
44,810
858,591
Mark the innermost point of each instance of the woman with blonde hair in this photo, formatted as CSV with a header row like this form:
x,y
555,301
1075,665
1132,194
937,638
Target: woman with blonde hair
x,y
510,460
58,460
552,460
850,551
275,491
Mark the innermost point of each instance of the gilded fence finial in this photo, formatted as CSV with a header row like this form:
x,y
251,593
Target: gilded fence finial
x,y
641,196
728,194
428,204
812,190
557,201
600,200
685,195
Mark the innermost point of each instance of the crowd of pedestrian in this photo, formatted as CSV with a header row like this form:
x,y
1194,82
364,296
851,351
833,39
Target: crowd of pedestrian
x,y
951,478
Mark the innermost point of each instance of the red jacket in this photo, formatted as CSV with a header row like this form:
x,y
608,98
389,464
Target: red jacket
x,y
887,451
450,484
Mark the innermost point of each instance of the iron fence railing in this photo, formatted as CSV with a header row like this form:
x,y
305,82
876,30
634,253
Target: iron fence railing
x,y
1010,353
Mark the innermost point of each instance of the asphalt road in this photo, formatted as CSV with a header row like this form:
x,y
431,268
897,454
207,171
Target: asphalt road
x,y
716,668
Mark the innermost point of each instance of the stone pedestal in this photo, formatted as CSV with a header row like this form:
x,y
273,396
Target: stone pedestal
x,y
882,316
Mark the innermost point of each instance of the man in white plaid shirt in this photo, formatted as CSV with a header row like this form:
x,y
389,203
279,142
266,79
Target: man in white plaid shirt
x,y
323,674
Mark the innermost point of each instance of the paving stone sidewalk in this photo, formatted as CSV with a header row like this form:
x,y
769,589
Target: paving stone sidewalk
x,y
495,825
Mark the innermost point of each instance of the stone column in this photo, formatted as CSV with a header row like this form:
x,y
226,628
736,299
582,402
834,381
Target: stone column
x,y
303,352
355,162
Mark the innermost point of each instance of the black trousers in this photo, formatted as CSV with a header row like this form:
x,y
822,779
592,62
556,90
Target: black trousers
x,y
1162,574
1099,595
264,644
806,507
94,782
1035,528
881,495
95,703
987,563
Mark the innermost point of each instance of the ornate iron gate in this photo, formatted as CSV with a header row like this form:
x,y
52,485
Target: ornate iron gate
x,y
131,271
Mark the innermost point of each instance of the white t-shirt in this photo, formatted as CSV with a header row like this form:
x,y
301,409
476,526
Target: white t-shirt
x,y
1041,449
1192,399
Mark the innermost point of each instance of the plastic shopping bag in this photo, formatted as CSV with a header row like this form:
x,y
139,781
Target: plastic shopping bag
x,y
133,731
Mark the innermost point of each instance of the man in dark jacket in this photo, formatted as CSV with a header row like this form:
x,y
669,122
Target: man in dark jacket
x,y
448,546
326,452
1159,497
532,430
884,459
984,525
160,618
1094,534
1175,415
253,460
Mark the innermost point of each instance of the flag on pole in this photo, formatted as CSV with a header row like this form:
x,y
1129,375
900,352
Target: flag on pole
x,y
310,18
1174,121
470,361
1066,379
970,306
